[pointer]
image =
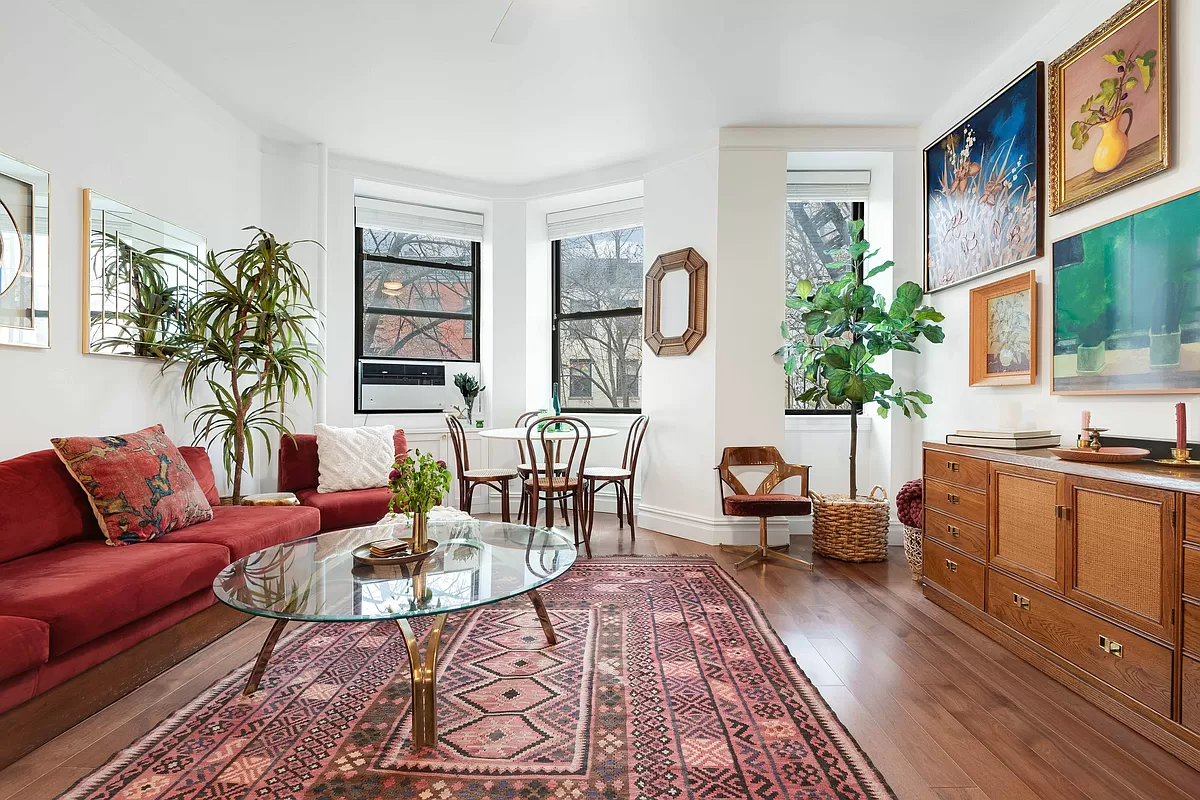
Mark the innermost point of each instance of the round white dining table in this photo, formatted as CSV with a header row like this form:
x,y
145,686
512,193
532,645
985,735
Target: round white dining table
x,y
516,434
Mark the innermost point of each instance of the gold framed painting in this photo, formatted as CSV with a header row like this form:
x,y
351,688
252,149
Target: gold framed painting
x,y
1004,332
1110,106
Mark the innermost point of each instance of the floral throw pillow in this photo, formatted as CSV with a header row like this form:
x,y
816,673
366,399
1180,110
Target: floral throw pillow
x,y
138,484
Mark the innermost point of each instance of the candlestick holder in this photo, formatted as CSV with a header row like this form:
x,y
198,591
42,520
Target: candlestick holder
x,y
1180,457
1094,438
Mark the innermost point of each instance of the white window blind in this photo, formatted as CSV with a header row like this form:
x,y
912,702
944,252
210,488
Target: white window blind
x,y
370,212
846,186
594,219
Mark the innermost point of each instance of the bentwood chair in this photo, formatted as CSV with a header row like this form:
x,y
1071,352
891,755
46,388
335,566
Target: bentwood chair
x,y
567,449
763,502
622,477
524,466
469,479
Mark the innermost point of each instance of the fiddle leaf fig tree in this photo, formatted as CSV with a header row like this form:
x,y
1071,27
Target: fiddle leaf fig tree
x,y
847,325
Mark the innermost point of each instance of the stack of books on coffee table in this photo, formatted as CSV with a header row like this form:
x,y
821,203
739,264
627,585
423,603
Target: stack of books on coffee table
x,y
1007,439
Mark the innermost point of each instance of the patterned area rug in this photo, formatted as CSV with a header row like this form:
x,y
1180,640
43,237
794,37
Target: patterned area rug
x,y
667,681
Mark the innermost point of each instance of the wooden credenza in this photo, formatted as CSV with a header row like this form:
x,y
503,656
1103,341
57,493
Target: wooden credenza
x,y
1089,572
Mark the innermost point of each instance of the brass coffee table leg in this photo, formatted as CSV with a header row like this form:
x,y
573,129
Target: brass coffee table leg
x,y
423,680
543,615
264,655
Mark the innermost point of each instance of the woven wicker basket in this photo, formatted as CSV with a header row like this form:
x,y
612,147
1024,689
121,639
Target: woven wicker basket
x,y
912,550
851,530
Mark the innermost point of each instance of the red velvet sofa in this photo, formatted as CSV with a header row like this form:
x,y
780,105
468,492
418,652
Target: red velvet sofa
x,y
68,601
299,473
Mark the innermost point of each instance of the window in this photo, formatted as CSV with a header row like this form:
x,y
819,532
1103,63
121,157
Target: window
x,y
417,296
813,227
597,329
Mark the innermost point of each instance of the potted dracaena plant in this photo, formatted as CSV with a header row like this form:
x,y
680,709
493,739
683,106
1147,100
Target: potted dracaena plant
x,y
249,336
847,325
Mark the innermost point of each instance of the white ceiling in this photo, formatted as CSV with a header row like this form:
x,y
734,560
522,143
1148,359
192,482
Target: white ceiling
x,y
593,83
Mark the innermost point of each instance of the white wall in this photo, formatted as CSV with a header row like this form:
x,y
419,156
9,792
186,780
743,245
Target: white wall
x,y
96,112
946,375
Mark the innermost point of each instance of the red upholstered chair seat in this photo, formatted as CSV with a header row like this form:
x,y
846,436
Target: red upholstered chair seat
x,y
243,530
767,505
87,589
25,644
347,509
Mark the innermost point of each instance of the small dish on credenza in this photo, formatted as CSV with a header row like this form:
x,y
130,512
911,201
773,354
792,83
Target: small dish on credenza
x,y
1105,455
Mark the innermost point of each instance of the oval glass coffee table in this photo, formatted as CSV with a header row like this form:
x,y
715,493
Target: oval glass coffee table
x,y
317,580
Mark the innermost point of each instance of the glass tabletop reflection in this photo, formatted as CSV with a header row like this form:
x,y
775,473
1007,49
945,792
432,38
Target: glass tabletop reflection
x,y
316,579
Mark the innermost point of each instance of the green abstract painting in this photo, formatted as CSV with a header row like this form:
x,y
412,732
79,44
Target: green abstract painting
x,y
1126,308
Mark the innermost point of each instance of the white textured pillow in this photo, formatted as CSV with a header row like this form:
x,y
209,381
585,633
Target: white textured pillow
x,y
354,458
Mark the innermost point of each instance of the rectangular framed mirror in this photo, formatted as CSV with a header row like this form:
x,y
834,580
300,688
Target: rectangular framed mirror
x,y
140,274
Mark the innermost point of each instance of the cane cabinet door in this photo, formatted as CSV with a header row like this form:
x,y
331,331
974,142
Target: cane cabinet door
x,y
1121,547
1027,530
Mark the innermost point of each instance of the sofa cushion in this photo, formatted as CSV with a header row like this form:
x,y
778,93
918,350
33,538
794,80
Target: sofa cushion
x,y
24,644
201,466
347,509
298,464
42,506
354,458
243,530
86,589
139,484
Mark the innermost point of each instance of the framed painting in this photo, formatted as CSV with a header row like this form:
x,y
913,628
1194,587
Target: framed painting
x,y
983,187
24,254
1004,332
1110,106
1127,303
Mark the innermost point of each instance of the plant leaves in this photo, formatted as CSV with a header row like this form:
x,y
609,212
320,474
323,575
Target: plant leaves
x,y
837,356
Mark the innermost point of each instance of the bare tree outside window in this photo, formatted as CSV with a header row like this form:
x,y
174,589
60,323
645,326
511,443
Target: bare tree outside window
x,y
599,280
812,229
417,295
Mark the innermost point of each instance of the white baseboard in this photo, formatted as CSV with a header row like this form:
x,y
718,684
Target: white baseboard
x,y
606,501
708,530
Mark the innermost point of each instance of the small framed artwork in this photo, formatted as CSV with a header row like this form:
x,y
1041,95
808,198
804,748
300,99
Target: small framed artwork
x,y
1004,332
1110,106
983,186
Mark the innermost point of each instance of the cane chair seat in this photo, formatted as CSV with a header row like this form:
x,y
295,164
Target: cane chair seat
x,y
607,473
526,469
555,484
490,474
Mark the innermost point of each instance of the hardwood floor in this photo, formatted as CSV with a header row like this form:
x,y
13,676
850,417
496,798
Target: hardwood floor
x,y
944,713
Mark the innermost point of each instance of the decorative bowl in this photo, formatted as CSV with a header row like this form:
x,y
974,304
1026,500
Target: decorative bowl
x,y
1105,455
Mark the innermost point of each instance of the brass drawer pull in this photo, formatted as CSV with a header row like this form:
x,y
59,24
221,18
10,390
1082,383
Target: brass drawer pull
x,y
953,531
1021,602
952,466
1111,647
1062,512
951,565
952,499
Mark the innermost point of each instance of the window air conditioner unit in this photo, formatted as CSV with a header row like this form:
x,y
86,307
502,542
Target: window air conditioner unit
x,y
391,386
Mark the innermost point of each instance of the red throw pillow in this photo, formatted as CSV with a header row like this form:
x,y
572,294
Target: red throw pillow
x,y
138,484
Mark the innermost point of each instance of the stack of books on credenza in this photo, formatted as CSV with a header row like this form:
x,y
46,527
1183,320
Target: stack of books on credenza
x,y
1007,439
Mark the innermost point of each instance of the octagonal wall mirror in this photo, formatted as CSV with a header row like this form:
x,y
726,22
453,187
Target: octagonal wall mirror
x,y
141,274
677,302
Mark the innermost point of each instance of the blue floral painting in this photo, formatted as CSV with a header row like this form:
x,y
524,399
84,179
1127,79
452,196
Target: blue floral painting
x,y
983,190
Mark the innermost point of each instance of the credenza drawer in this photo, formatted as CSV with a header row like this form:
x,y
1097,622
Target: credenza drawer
x,y
963,535
1125,661
1191,627
963,503
1191,694
956,469
1191,525
955,572
1191,572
